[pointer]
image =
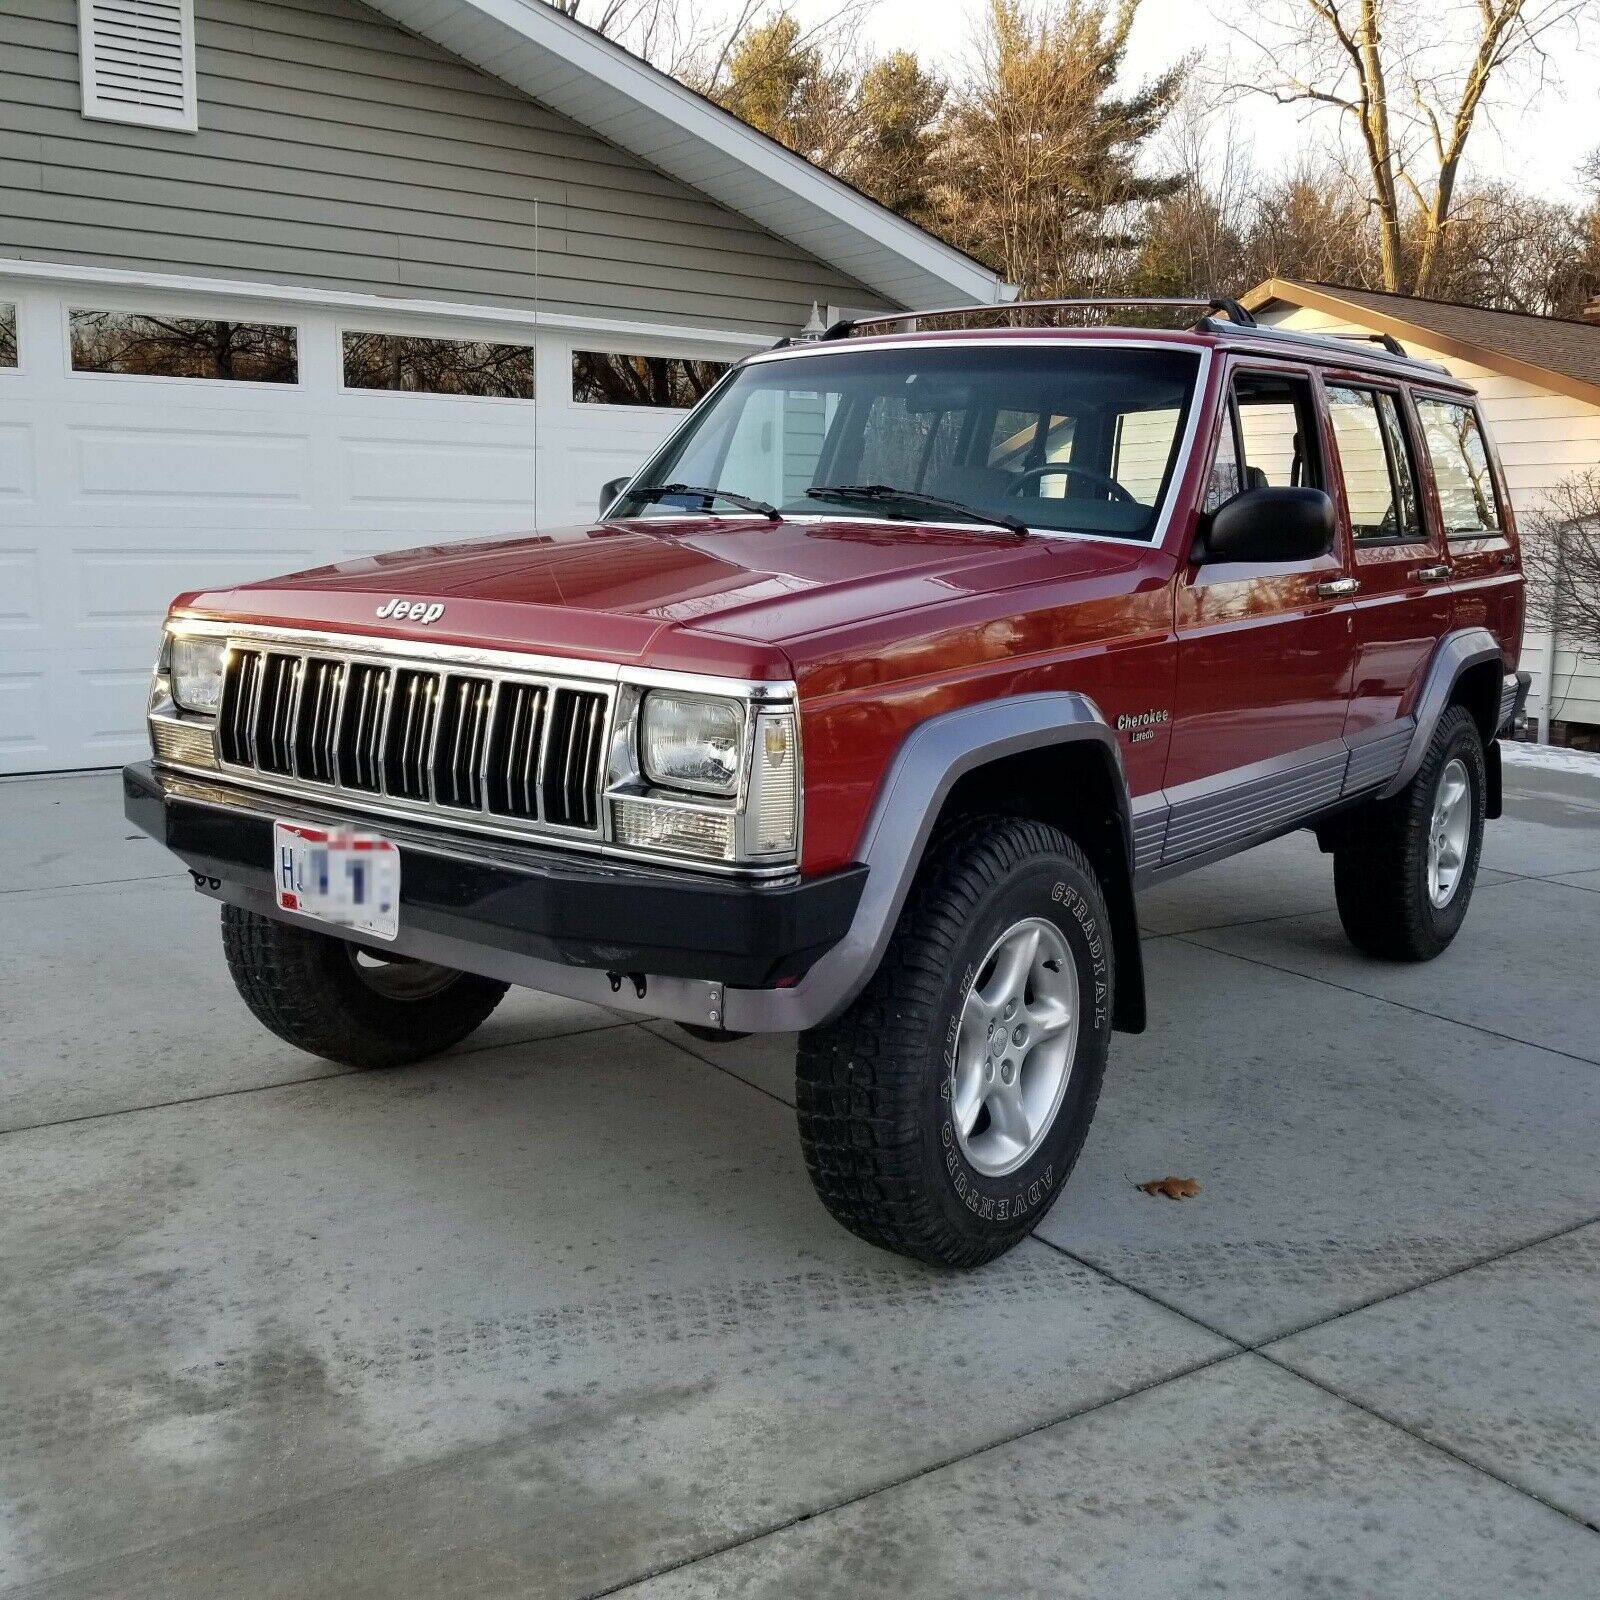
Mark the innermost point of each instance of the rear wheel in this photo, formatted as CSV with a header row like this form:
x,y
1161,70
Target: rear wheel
x,y
345,1002
941,1114
1405,868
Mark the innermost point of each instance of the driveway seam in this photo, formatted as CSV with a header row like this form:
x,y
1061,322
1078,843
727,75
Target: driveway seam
x,y
295,1083
94,883
1427,1283
1385,1000
912,1477
1423,1439
705,1061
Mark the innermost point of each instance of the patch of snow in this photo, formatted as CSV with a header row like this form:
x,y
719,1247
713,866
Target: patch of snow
x,y
1551,757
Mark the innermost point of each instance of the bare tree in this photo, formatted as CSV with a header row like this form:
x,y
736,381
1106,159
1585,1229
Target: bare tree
x,y
1411,78
1561,554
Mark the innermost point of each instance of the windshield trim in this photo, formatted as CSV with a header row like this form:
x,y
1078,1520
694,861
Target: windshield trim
x,y
1160,529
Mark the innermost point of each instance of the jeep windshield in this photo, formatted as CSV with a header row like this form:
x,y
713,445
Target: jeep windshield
x,y
1064,437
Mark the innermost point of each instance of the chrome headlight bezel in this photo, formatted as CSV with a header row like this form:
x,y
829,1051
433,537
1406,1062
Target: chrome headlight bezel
x,y
755,824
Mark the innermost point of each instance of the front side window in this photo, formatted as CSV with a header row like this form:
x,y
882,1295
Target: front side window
x,y
606,378
1071,436
1379,485
415,365
158,346
1268,438
1454,441
8,334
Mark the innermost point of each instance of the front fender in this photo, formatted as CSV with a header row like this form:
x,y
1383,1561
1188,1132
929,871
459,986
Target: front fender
x,y
932,759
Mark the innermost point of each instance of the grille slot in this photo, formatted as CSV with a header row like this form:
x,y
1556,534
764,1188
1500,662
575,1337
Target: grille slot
x,y
408,747
459,751
316,732
525,751
360,738
515,746
577,722
241,683
274,722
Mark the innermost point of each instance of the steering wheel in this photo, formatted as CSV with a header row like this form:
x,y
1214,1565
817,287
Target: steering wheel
x,y
1034,474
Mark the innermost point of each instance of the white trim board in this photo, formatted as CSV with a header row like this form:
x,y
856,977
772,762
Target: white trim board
x,y
376,304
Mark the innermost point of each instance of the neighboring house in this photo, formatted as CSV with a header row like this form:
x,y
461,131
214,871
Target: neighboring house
x,y
286,281
1539,382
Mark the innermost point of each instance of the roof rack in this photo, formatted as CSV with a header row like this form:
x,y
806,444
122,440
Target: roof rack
x,y
1235,312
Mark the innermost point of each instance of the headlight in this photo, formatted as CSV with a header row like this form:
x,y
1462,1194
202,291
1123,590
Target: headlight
x,y
197,673
691,741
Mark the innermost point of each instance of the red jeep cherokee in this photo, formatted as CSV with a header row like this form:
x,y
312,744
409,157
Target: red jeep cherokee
x,y
863,713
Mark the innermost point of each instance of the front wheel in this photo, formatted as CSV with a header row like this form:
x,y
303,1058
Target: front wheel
x,y
347,1003
941,1114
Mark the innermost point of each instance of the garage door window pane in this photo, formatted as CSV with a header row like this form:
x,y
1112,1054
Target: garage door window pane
x,y
1460,468
414,365
148,346
604,378
8,335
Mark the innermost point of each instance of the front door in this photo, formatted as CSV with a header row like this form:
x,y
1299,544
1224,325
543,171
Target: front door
x,y
1264,648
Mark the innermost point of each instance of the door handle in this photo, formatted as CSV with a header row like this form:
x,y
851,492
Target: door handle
x,y
1431,574
1335,587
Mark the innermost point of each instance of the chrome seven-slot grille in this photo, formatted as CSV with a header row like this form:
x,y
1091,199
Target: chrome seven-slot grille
x,y
514,748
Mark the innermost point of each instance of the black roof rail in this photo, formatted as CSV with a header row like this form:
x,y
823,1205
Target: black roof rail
x,y
1231,308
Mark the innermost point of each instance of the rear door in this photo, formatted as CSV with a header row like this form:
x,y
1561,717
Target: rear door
x,y
1474,514
1403,600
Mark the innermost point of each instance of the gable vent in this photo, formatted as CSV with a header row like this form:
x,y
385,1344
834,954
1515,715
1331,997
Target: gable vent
x,y
138,61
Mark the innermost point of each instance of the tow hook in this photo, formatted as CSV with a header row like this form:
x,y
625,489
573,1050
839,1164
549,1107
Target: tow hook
x,y
637,979
201,881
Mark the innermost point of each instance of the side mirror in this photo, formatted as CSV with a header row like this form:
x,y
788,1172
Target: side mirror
x,y
610,491
1268,525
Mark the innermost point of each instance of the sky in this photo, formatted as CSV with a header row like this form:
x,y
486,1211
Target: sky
x,y
1538,142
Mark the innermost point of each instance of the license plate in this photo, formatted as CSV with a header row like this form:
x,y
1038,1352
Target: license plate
x,y
334,875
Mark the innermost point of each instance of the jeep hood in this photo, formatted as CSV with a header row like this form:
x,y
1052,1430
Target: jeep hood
x,y
733,596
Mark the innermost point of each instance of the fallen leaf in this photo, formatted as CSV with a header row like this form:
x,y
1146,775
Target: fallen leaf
x,y
1172,1188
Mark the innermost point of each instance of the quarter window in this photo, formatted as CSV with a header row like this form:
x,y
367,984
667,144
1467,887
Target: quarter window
x,y
674,383
8,335
416,365
1379,484
1461,474
152,346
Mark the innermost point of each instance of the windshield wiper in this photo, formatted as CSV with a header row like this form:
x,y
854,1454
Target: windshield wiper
x,y
659,491
887,491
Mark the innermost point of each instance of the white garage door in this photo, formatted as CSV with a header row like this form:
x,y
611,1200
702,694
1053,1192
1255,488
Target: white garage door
x,y
263,445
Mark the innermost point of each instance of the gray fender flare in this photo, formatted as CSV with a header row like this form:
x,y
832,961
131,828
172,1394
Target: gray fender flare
x,y
933,756
1453,655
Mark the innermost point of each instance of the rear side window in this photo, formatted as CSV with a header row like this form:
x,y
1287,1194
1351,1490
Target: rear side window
x,y
1460,460
1379,483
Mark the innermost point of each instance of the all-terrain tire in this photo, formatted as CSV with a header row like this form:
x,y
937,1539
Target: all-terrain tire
x,y
1381,864
324,996
874,1087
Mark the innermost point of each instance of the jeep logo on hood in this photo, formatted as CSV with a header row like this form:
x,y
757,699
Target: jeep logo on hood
x,y
423,611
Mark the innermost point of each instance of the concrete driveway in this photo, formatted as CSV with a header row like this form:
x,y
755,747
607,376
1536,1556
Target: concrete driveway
x,y
559,1315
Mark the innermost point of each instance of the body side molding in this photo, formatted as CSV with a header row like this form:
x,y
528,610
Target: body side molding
x,y
928,764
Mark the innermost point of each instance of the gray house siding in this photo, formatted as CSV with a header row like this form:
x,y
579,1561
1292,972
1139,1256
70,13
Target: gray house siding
x,y
338,151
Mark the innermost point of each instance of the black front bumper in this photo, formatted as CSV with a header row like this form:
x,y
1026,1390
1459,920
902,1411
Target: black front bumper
x,y
522,899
